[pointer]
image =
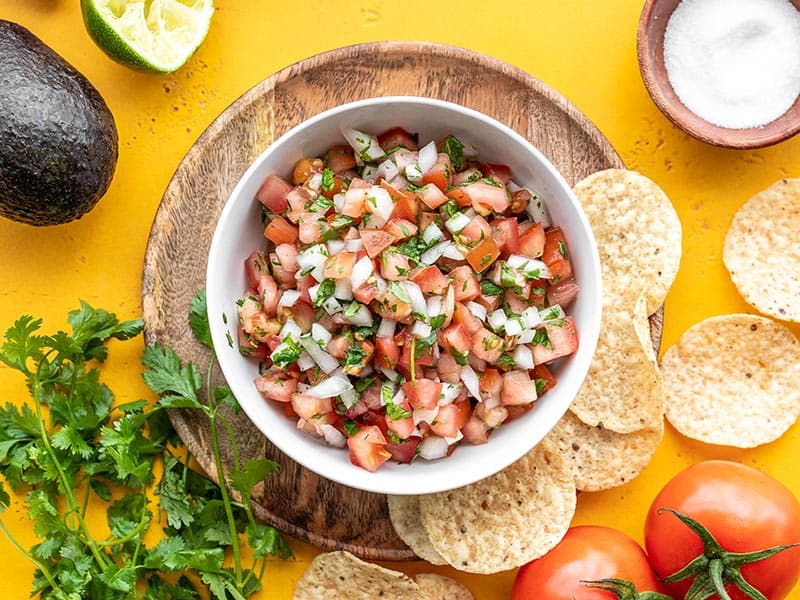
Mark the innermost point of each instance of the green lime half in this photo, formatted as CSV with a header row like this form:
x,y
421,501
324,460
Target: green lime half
x,y
150,35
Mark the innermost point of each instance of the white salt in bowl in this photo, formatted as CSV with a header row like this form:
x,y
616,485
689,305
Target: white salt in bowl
x,y
239,231
650,48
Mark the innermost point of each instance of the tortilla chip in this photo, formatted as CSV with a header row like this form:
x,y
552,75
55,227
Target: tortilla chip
x,y
762,250
507,519
438,587
638,233
407,522
733,380
623,390
603,459
342,576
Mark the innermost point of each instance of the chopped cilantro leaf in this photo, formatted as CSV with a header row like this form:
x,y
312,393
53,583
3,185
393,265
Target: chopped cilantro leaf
x,y
562,249
450,208
363,383
327,180
506,361
350,428
399,292
437,321
325,291
540,339
453,147
489,288
354,357
288,352
461,359
396,413
540,385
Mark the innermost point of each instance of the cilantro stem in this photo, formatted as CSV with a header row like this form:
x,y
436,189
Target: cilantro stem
x,y
69,493
412,362
41,566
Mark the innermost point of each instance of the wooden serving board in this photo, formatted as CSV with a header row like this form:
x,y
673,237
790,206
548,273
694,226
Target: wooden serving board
x,y
297,501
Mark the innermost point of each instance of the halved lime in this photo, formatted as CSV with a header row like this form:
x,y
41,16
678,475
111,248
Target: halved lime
x,y
150,35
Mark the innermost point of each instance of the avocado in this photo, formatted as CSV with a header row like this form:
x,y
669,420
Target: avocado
x,y
58,140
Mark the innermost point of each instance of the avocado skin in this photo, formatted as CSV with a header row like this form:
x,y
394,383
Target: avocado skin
x,y
58,140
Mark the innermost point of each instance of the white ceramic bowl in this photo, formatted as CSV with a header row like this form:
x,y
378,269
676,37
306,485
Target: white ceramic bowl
x,y
240,231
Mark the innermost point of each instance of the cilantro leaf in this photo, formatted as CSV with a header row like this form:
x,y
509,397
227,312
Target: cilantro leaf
x,y
453,147
20,343
327,180
325,290
489,288
254,472
166,375
265,540
198,319
5,499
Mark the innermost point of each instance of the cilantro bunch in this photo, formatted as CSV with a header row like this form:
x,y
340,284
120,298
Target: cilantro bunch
x,y
72,446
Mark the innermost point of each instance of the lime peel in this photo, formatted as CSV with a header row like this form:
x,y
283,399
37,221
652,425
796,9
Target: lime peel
x,y
151,35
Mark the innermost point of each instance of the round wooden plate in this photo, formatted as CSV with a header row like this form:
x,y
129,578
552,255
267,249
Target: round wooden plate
x,y
297,501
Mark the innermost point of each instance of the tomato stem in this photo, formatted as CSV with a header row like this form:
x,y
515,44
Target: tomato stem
x,y
717,567
623,589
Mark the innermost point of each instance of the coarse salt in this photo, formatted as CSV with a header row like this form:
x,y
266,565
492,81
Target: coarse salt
x,y
734,63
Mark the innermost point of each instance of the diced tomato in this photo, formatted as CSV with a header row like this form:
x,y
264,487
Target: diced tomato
x,y
394,265
405,451
520,200
493,416
305,282
464,316
476,230
272,193
455,337
486,345
400,228
516,411
531,243
500,173
431,195
375,241
310,227
406,205
423,360
464,408
486,197
475,431
448,369
440,174
555,246
307,407
280,231
446,423
339,186
506,235
563,292
483,255
366,293
559,270
490,303
424,393
402,427
426,218
459,196
255,267
389,306
465,284
268,294
337,347
297,198
397,136
563,338
367,448
340,158
490,384
538,292
431,280
289,411
287,256
339,266
368,350
518,389
275,387
542,373
304,315
387,353
354,200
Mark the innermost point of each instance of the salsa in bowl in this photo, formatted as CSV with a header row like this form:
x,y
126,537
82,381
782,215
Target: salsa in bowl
x,y
415,284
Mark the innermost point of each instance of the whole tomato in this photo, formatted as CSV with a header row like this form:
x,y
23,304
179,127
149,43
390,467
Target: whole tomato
x,y
743,509
587,553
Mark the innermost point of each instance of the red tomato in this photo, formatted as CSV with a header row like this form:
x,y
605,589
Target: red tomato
x,y
446,423
368,448
397,136
465,284
483,255
744,509
506,234
586,553
386,352
423,393
405,451
485,196
563,336
272,193
280,231
440,174
375,241
531,243
501,173
340,158
431,195
256,266
431,280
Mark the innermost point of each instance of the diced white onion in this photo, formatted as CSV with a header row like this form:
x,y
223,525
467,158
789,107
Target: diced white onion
x,y
523,357
305,362
325,361
435,306
332,306
399,396
423,415
361,271
361,318
470,379
387,170
531,317
338,201
418,303
383,205
420,330
497,319
526,337
390,374
334,246
330,387
312,257
403,157
532,267
315,181
369,173
386,328
457,222
477,309
452,440
434,253
449,305
365,145
399,183
290,329
343,289
513,326
414,173
428,156
450,392
333,437
433,447
537,211
349,398
289,298
452,252
313,293
354,245
432,233
320,334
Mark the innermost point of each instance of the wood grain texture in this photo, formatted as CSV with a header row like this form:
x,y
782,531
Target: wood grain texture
x,y
297,501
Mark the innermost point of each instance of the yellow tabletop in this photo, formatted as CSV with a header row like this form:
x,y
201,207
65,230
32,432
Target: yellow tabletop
x,y
585,50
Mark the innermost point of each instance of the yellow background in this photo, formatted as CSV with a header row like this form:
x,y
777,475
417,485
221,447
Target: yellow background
x,y
585,50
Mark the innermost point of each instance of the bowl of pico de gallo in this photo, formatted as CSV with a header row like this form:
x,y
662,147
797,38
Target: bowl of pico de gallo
x,y
404,295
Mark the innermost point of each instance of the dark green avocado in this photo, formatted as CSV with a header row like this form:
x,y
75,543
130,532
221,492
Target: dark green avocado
x,y
58,141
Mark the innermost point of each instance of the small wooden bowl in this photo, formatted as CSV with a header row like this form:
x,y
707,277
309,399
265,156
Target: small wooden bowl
x,y
650,50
